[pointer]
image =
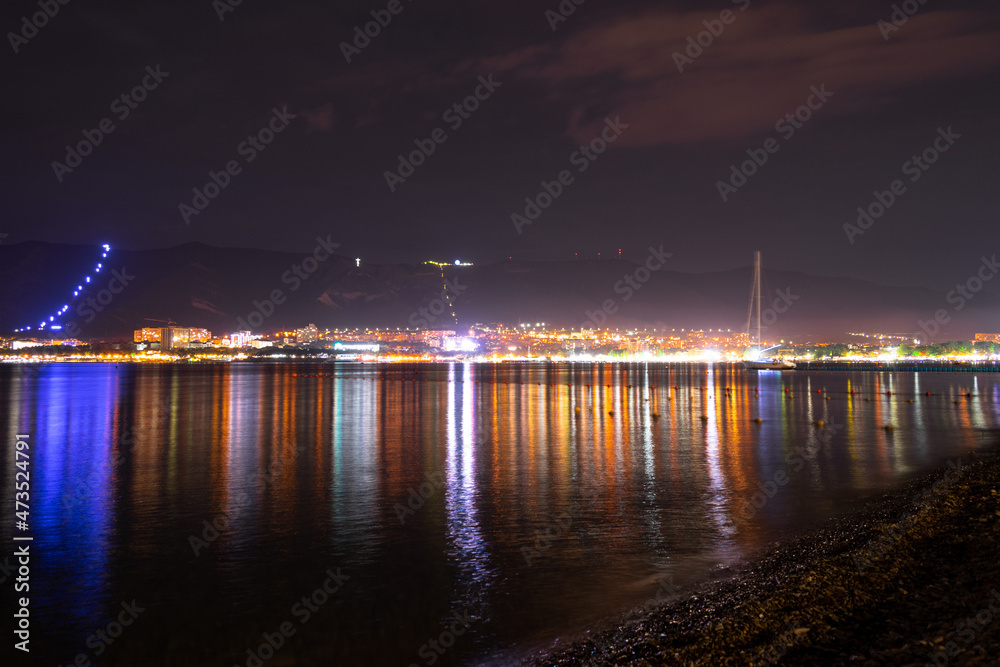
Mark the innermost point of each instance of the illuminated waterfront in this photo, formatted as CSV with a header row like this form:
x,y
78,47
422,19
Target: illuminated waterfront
x,y
535,499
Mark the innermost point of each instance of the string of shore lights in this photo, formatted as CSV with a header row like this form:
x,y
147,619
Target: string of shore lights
x,y
51,323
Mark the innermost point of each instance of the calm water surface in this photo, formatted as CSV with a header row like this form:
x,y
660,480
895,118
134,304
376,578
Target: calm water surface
x,y
528,500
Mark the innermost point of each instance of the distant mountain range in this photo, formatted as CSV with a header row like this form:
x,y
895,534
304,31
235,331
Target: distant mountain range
x,y
204,286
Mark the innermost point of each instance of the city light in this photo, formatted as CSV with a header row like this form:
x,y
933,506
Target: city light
x,y
79,288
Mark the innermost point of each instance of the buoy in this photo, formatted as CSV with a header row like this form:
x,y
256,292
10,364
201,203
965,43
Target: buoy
x,y
758,420
910,400
656,415
611,413
889,427
820,423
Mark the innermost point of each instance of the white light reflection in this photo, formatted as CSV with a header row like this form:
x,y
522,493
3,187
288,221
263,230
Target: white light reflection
x,y
717,487
467,547
651,512
354,455
241,449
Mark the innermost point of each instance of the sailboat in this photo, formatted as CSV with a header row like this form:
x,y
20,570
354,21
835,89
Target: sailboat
x,y
754,361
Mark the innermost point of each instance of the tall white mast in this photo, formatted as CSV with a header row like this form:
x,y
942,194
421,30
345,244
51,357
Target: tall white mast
x,y
756,279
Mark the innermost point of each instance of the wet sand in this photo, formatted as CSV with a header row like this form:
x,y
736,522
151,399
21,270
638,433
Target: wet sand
x,y
910,578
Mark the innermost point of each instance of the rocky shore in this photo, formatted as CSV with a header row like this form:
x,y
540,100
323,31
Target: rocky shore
x,y
912,578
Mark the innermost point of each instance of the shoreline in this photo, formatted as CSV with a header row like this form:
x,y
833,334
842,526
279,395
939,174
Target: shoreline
x,y
241,357
893,582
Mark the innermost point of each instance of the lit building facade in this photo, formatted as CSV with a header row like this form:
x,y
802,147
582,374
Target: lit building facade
x,y
309,334
241,339
435,338
172,338
147,335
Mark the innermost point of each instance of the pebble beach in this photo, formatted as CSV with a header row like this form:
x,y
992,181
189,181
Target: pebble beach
x,y
909,578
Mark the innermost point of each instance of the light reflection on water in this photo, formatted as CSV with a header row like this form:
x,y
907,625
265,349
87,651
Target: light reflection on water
x,y
565,491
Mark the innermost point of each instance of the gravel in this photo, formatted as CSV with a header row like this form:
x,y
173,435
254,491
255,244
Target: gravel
x,y
909,579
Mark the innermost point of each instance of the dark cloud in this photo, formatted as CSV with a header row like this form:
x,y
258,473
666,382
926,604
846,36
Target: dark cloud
x,y
325,173
759,68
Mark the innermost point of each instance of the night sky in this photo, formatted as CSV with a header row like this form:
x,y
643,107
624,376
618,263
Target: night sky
x,y
886,93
